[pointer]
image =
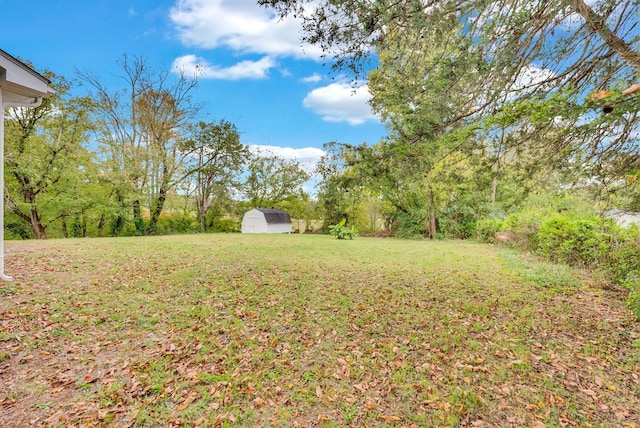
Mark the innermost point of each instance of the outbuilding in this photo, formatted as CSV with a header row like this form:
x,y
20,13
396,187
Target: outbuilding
x,y
261,220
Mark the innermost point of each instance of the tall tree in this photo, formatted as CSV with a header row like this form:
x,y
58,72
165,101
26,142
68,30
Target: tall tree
x,y
341,187
46,159
272,179
214,157
521,67
139,128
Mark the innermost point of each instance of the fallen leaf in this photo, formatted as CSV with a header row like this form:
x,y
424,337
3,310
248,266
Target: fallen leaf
x,y
190,399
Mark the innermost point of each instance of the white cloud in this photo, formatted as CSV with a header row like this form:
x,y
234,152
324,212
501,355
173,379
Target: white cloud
x,y
308,157
340,102
240,25
192,65
314,78
531,76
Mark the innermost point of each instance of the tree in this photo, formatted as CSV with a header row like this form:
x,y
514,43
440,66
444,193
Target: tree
x,y
46,162
272,179
340,189
515,67
139,128
214,156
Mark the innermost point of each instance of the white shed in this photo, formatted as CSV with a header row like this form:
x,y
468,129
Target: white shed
x,y
20,86
260,220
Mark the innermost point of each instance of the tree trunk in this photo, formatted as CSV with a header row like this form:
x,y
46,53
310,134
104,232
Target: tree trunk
x,y
494,189
137,218
157,209
433,225
38,228
202,214
65,230
101,223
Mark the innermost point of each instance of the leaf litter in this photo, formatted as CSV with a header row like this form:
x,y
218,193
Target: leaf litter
x,y
221,331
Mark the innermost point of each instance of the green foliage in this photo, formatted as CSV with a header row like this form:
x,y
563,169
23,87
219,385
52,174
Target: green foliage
x,y
576,241
176,223
271,179
225,225
16,228
341,231
632,282
527,220
486,229
458,218
412,224
566,230
214,160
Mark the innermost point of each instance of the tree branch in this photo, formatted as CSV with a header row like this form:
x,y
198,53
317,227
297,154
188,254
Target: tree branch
x,y
597,24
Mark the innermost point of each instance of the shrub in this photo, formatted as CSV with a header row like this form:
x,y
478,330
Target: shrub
x,y
566,230
411,225
458,218
226,225
176,223
486,229
572,240
632,282
340,231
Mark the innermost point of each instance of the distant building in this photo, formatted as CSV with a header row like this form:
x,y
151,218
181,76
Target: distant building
x,y
623,218
260,220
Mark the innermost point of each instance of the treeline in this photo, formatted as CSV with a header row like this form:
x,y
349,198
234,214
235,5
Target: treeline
x,y
133,160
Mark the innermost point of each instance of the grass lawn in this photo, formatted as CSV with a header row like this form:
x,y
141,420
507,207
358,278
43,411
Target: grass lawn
x,y
306,330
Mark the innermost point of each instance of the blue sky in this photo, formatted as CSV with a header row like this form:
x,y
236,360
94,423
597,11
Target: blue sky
x,y
256,73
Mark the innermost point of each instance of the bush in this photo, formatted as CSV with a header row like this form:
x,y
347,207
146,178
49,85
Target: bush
x,y
458,218
176,224
566,230
411,225
572,240
632,282
340,231
226,225
486,229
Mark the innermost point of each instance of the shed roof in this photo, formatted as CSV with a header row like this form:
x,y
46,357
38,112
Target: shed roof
x,y
275,216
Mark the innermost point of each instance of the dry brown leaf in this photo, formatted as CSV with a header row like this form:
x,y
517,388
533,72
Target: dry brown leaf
x,y
632,89
599,95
